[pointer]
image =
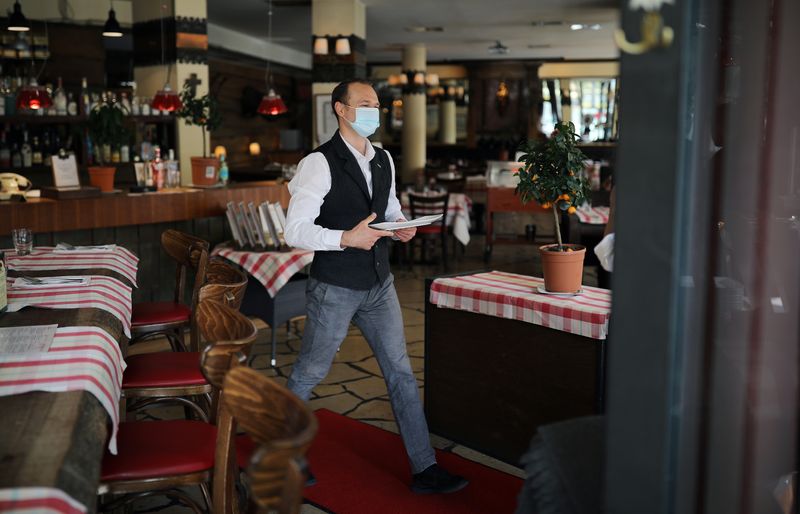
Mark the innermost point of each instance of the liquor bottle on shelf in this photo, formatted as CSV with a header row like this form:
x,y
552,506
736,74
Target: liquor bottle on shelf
x,y
36,152
224,174
50,111
125,153
47,152
60,99
16,156
135,107
86,100
5,152
157,165
25,151
90,160
173,172
125,103
72,105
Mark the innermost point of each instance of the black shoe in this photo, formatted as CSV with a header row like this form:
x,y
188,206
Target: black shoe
x,y
437,480
311,479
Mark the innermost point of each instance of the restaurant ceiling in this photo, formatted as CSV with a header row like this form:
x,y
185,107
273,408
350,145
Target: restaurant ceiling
x,y
531,29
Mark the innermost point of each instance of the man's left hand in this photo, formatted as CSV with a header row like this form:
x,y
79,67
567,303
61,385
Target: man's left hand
x,y
405,235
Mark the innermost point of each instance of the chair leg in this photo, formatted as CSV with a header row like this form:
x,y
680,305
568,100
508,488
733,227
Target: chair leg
x,y
444,251
274,360
206,496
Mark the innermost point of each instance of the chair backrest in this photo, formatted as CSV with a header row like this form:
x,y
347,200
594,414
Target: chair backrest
x,y
425,204
215,362
282,425
218,323
452,184
189,253
225,283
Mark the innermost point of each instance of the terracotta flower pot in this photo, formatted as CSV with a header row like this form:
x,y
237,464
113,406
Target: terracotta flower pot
x,y
563,271
205,171
102,177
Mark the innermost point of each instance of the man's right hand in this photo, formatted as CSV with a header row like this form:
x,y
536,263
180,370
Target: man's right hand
x,y
362,236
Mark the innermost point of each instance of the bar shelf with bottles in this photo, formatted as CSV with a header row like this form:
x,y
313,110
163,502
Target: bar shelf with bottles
x,y
29,138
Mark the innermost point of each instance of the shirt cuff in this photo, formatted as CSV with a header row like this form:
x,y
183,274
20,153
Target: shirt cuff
x,y
332,239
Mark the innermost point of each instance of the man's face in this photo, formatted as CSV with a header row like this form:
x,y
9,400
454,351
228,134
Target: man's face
x,y
358,95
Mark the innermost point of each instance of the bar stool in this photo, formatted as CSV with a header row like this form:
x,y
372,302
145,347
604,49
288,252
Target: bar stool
x,y
174,377
159,457
170,319
282,426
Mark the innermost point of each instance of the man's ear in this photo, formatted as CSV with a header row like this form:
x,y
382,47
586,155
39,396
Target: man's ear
x,y
339,109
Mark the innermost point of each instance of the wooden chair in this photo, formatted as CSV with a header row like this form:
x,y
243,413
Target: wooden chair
x,y
159,457
170,319
452,184
425,205
225,283
174,377
280,424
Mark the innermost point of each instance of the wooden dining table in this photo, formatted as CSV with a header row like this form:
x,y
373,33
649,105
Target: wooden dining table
x,y
60,408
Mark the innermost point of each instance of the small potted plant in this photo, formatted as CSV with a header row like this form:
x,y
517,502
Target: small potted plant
x,y
203,112
107,131
553,177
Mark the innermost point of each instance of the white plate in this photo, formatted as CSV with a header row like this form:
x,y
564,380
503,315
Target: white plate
x,y
542,290
397,225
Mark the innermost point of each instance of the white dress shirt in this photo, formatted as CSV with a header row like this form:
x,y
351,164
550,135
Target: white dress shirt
x,y
308,189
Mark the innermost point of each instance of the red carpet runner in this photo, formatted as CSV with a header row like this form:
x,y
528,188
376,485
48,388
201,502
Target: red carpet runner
x,y
362,469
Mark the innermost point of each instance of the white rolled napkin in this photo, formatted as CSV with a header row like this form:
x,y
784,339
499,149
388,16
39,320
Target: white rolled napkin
x,y
605,252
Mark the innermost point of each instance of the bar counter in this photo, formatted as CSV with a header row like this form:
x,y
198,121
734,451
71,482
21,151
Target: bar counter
x,y
136,222
44,215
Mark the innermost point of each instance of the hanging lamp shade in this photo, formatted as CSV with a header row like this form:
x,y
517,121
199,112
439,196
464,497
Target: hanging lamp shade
x,y
17,22
112,28
167,100
33,96
272,104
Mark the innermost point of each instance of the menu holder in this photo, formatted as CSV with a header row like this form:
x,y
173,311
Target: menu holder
x,y
67,184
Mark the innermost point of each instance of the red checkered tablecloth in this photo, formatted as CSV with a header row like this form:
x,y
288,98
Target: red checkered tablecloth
x,y
120,260
592,215
38,500
272,269
458,208
511,296
105,293
79,358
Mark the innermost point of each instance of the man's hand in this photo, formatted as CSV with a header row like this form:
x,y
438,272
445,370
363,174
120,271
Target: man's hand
x,y
362,236
405,235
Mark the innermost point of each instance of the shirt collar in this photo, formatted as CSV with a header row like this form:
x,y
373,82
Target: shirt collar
x,y
358,155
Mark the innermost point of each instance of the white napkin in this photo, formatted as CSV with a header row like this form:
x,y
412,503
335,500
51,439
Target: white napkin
x,y
64,247
37,282
605,252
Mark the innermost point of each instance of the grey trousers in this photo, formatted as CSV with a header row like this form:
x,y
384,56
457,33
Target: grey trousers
x,y
377,314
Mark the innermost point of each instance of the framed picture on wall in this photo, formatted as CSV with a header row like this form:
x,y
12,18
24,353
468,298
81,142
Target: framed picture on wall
x,y
324,119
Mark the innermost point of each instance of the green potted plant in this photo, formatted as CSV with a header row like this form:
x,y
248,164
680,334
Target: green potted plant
x,y
107,131
553,176
203,112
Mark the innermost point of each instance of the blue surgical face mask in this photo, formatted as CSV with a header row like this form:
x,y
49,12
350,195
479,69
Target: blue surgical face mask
x,y
368,119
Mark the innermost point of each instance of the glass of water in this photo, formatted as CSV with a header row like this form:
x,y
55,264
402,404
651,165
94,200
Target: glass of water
x,y
23,240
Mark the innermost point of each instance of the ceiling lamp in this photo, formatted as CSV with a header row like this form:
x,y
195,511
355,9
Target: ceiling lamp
x,y
342,46
432,79
34,97
17,21
271,104
166,99
321,46
112,28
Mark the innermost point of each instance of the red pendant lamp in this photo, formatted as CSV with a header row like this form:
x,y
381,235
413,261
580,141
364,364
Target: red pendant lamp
x,y
166,99
271,104
34,97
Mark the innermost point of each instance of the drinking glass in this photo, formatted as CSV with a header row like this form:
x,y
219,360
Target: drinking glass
x,y
23,240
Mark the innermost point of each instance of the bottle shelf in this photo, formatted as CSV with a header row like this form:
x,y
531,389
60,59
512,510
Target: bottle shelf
x,y
34,119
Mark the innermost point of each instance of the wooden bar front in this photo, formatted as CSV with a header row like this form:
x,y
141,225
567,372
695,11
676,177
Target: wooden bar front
x,y
118,210
490,382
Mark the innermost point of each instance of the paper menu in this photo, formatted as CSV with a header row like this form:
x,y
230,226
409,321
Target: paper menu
x,y
30,339
65,171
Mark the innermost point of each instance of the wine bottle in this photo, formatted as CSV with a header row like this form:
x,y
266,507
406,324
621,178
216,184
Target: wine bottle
x,y
60,99
27,154
5,152
36,155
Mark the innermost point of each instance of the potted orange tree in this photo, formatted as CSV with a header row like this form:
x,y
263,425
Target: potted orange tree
x,y
203,112
107,131
553,176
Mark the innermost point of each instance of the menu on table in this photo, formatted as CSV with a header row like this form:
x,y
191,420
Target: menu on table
x,y
30,339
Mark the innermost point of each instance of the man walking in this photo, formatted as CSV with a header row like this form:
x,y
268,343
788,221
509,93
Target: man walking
x,y
339,190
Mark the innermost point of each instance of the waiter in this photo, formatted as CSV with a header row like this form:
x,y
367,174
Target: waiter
x,y
339,190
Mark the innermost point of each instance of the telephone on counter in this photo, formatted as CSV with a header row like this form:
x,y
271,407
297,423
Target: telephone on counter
x,y
12,184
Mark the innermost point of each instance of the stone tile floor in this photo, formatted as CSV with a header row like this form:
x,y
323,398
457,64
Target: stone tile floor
x,y
355,386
